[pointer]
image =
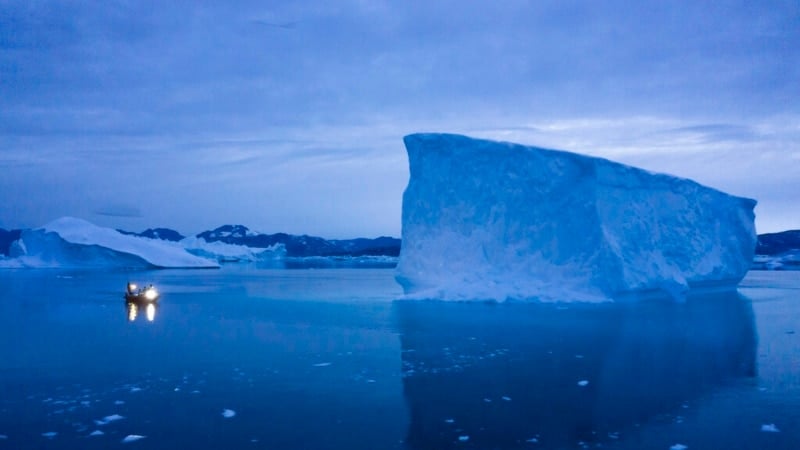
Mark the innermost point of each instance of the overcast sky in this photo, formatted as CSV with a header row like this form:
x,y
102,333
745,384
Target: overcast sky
x,y
289,116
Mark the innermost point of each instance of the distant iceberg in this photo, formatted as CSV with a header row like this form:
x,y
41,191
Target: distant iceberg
x,y
69,242
491,220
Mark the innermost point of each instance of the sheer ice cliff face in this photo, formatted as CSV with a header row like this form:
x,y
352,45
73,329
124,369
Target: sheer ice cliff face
x,y
71,242
491,220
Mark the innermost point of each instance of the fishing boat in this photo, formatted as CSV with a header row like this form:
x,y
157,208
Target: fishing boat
x,y
147,294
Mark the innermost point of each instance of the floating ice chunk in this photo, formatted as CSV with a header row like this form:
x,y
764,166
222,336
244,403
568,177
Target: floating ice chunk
x,y
96,433
583,383
463,438
228,413
506,398
770,428
119,402
132,438
50,434
108,419
678,447
3,436
532,440
322,364
449,420
136,389
490,220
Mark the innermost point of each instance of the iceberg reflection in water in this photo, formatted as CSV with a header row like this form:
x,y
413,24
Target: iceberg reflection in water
x,y
561,375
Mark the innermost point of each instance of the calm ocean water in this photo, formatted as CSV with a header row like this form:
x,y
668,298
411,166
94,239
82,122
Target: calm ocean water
x,y
328,359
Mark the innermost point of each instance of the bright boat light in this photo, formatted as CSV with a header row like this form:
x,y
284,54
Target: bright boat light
x,y
150,294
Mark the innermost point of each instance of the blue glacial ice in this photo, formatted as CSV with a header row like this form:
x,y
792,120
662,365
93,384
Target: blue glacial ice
x,y
492,220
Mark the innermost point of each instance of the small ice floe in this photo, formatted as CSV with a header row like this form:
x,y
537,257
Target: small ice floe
x,y
119,402
532,440
135,389
464,438
3,436
449,420
228,413
254,440
50,434
583,383
506,398
579,356
678,447
108,419
132,438
96,433
613,435
322,364
770,428
177,389
195,391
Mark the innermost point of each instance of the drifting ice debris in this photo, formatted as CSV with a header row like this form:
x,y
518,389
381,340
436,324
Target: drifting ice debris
x,y
770,428
678,447
489,220
108,419
96,433
132,438
50,434
583,383
463,438
322,364
228,413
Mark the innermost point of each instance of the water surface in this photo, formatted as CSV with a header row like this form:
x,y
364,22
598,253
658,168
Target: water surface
x,y
329,359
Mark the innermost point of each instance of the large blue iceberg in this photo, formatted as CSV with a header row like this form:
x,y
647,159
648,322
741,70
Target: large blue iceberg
x,y
493,220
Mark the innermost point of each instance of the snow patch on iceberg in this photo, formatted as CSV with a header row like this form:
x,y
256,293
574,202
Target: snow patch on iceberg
x,y
491,220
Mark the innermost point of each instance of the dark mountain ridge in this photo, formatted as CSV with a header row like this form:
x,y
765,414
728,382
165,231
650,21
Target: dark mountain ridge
x,y
776,243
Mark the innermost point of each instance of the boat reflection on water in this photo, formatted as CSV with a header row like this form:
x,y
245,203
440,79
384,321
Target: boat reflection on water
x,y
559,375
134,309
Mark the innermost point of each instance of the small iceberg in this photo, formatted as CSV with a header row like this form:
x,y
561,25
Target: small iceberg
x,y
228,413
132,438
770,428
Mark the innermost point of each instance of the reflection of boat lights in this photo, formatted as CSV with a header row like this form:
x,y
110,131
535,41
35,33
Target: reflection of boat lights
x,y
151,312
132,311
151,294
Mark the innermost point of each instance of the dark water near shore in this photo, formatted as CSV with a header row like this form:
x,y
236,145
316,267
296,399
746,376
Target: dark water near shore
x,y
327,359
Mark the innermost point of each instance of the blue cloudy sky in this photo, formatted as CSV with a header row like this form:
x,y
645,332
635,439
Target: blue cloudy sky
x,y
289,116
